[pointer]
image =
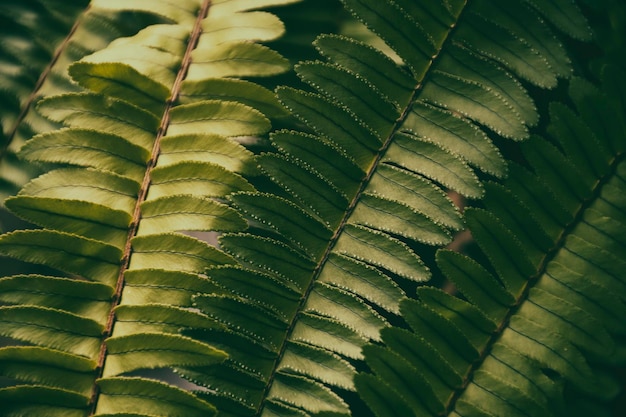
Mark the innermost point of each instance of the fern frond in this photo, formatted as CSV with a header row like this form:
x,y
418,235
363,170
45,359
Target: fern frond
x,y
114,213
327,229
28,46
40,40
361,189
542,315
31,32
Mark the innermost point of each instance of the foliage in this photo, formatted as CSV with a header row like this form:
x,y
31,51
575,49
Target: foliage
x,y
39,40
331,197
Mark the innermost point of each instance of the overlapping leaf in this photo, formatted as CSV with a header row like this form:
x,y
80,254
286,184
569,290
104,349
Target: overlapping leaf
x,y
363,186
112,212
294,301
544,314
40,40
31,32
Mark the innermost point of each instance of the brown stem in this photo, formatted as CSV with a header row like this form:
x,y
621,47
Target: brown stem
x,y
352,206
143,192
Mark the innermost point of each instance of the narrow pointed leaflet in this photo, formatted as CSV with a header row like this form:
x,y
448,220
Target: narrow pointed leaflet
x,y
115,216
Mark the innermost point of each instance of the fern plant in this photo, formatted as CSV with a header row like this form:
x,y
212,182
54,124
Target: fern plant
x,y
41,40
118,134
328,224
543,310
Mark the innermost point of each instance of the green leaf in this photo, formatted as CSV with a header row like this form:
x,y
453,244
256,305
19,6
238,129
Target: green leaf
x,y
487,37
155,350
549,349
374,110
306,186
224,60
476,283
147,286
362,279
185,212
533,30
272,256
260,323
517,219
184,11
585,151
409,383
375,66
422,157
330,161
441,332
469,319
382,399
119,193
304,393
478,69
188,254
318,364
195,178
229,89
48,367
381,250
104,114
549,212
157,319
397,219
331,120
91,259
493,394
110,79
252,26
328,333
286,218
329,230
224,8
416,192
457,135
84,298
344,308
423,355
460,95
110,204
74,147
400,31
219,117
144,396
77,217
569,185
208,148
35,400
566,15
506,253
582,328
52,328
257,287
